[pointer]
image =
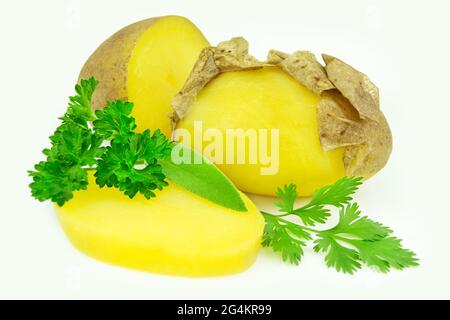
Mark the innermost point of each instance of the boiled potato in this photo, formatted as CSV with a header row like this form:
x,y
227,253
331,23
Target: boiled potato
x,y
267,98
288,119
176,233
147,63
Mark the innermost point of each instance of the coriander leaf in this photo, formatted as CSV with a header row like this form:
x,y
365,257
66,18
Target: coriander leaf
x,y
370,240
385,253
284,237
287,196
312,215
352,224
353,241
203,179
336,194
114,121
342,258
309,215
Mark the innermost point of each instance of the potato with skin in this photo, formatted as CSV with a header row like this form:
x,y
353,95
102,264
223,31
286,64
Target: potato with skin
x,y
328,117
147,63
268,98
176,233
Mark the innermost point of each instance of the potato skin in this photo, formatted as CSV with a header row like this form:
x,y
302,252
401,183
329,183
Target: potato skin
x,y
109,62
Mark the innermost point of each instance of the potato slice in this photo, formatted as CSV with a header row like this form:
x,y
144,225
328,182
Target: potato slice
x,y
176,233
147,63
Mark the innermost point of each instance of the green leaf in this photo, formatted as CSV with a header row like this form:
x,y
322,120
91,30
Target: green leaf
x,y
338,193
73,146
287,196
119,165
353,241
114,121
385,253
316,211
284,237
352,224
203,179
80,108
312,215
370,240
341,258
57,182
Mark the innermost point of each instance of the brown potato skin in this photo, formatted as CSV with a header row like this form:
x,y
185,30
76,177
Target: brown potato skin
x,y
108,64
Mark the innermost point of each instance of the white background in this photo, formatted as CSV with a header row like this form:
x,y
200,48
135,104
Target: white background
x,y
402,45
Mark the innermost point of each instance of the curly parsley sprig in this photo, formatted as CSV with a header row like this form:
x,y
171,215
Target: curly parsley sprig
x,y
353,241
129,162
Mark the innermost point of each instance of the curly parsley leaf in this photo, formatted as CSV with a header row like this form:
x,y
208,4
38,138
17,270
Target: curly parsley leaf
x,y
56,182
80,106
73,146
158,147
114,120
63,172
119,165
129,163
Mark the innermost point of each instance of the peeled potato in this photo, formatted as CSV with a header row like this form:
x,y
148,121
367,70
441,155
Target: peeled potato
x,y
176,233
268,98
147,63
318,123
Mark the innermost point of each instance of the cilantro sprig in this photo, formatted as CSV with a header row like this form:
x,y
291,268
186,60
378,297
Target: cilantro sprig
x,y
104,141
355,240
